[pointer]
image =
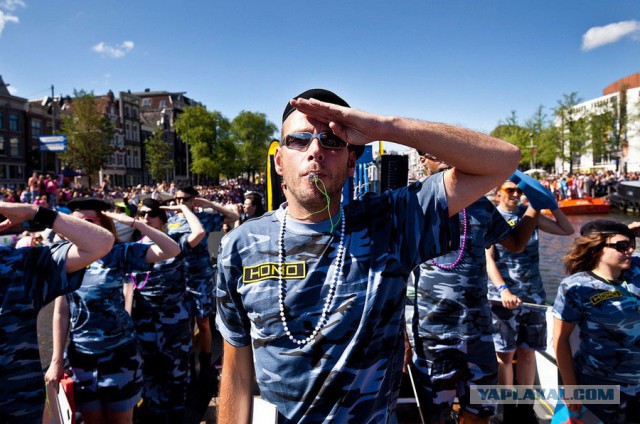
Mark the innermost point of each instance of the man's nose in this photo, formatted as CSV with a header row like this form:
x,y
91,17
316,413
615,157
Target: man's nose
x,y
315,150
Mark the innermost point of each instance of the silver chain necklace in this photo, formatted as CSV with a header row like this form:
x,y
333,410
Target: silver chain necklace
x,y
337,277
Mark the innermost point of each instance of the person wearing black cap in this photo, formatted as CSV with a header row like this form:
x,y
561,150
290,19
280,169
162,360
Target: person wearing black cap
x,y
601,297
161,320
200,288
29,280
313,293
103,353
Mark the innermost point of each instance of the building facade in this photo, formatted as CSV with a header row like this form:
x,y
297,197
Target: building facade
x,y
620,150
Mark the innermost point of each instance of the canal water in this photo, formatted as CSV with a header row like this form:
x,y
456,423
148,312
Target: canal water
x,y
552,249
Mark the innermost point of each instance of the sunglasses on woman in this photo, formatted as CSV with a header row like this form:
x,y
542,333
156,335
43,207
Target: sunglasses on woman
x,y
301,141
511,190
150,214
622,246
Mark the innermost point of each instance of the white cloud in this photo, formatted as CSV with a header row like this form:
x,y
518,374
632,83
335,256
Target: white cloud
x,y
115,52
12,90
12,5
599,36
7,7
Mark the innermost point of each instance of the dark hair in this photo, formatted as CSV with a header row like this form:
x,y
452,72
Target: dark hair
x,y
256,200
585,253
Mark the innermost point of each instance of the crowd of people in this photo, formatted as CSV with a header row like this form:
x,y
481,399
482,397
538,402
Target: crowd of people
x,y
310,298
586,184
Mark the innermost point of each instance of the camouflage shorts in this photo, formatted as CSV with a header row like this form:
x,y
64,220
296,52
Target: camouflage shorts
x,y
520,327
446,368
112,381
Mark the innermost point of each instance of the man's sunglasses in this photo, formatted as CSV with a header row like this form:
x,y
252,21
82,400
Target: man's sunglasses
x,y
301,140
622,246
150,214
511,190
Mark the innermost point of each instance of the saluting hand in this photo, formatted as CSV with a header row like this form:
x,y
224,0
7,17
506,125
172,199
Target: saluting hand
x,y
16,213
352,125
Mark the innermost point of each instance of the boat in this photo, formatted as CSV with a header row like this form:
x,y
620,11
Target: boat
x,y
585,205
627,196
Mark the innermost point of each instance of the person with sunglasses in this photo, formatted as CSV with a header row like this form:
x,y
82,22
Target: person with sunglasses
x,y
515,278
200,269
451,326
103,353
31,279
161,320
601,297
313,294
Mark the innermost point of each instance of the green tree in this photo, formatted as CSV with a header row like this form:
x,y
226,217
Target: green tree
x,y
89,135
542,135
572,140
252,133
510,130
207,135
158,153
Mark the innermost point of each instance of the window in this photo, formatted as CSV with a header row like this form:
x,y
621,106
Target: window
x,y
1,120
14,122
16,172
136,132
119,159
127,130
146,102
14,147
36,128
128,158
163,103
126,111
2,150
3,171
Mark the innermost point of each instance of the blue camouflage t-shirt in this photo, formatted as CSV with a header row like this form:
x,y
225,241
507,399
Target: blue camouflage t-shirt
x,y
99,322
453,303
609,322
351,372
520,271
163,292
198,259
31,278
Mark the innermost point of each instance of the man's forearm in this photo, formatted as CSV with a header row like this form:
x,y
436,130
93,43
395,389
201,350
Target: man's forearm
x,y
469,151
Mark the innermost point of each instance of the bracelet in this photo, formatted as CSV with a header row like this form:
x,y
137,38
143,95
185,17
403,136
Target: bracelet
x,y
45,216
502,288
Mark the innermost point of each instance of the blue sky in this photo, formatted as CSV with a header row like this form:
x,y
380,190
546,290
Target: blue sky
x,y
462,62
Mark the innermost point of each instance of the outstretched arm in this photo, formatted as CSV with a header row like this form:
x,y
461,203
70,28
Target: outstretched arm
x,y
163,248
480,162
561,226
197,230
509,300
90,241
230,216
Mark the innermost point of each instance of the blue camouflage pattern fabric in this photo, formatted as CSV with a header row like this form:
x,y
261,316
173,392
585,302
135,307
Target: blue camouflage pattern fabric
x,y
525,327
452,321
31,278
520,271
609,323
200,268
99,322
162,324
351,372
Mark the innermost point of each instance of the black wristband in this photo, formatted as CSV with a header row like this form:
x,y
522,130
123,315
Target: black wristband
x,y
45,216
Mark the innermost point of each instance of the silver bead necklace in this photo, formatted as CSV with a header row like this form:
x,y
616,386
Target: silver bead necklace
x,y
337,277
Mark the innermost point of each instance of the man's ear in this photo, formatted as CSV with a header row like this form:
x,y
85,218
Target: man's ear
x,y
277,159
351,163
